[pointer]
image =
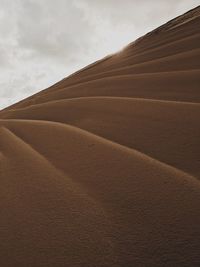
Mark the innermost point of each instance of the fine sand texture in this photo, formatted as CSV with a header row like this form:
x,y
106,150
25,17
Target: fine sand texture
x,y
102,169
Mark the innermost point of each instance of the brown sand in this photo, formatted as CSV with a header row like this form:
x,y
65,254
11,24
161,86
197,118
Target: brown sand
x,y
102,168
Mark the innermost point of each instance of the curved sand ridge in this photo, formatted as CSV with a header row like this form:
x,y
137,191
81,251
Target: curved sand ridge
x,y
102,168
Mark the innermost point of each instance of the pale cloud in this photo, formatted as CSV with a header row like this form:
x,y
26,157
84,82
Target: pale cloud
x,y
59,30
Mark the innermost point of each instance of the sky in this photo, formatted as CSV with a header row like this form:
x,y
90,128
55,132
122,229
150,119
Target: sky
x,y
43,41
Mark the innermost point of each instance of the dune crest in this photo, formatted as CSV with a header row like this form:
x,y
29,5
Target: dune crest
x,y
102,169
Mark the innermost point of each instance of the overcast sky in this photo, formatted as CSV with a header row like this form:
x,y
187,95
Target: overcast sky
x,y
43,41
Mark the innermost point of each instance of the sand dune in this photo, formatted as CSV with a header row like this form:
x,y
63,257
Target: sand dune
x,y
102,168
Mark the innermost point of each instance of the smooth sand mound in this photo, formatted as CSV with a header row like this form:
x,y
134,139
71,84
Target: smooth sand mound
x,y
102,168
135,123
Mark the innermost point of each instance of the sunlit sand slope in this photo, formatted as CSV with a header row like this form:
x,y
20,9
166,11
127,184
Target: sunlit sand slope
x,y
102,169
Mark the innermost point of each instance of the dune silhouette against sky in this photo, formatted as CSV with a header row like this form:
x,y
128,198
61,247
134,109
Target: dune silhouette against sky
x,y
101,169
68,35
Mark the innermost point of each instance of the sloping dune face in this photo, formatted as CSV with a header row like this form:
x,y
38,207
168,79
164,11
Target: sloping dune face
x,y
102,168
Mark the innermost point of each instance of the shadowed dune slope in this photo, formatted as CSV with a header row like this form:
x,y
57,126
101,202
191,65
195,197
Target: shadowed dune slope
x,y
102,169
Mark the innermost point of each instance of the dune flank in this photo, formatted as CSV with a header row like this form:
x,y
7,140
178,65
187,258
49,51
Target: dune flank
x,y
102,169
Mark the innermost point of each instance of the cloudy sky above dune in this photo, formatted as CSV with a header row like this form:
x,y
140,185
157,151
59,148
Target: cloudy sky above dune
x,y
43,41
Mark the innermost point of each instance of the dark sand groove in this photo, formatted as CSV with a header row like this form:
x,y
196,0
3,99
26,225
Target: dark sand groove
x,y
10,124
102,168
180,86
